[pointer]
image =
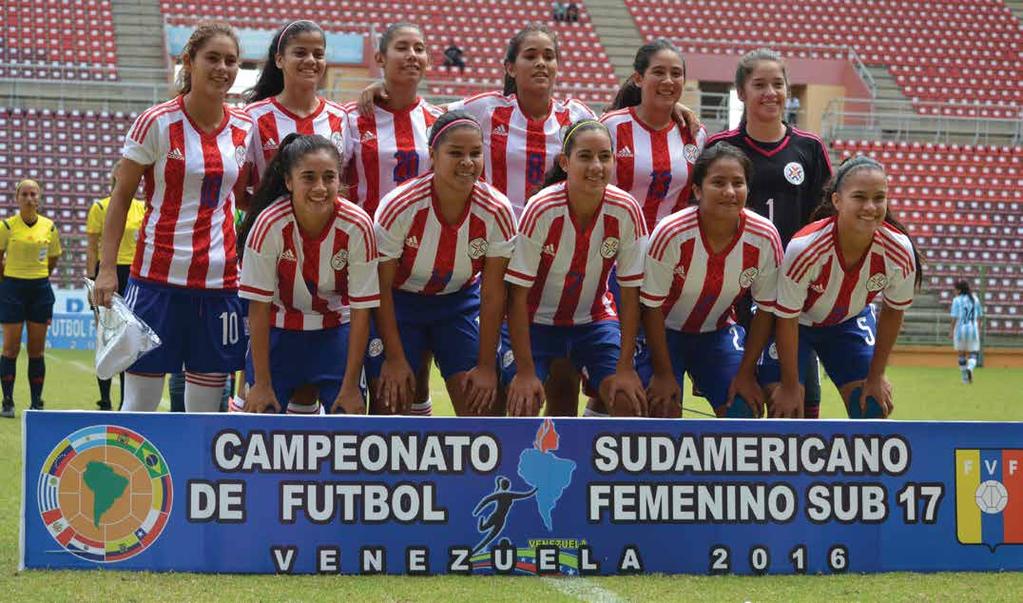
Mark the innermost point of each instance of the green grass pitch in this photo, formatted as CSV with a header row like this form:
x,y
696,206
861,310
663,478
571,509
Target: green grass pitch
x,y
920,393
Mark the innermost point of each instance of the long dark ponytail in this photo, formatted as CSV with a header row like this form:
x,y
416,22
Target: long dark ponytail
x,y
273,185
271,78
556,174
630,94
827,206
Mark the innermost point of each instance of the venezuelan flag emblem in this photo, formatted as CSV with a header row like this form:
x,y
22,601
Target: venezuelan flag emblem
x,y
989,496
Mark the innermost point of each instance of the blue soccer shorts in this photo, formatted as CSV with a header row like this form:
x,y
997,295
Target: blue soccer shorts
x,y
200,330
711,359
593,349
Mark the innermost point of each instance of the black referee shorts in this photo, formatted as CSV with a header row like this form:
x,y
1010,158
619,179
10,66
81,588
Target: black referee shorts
x,y
26,299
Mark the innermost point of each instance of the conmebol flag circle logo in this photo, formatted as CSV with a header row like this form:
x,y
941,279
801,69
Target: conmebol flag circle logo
x,y
989,496
105,493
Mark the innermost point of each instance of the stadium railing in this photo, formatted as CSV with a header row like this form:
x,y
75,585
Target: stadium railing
x,y
901,120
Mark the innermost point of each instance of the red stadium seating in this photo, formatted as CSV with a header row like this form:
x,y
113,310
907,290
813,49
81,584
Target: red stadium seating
x,y
58,39
70,154
961,205
941,50
480,28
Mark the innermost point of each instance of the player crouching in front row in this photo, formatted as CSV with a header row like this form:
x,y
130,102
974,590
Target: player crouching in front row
x,y
832,271
309,271
571,234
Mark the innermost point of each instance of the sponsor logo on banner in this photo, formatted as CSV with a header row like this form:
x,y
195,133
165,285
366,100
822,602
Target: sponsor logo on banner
x,y
105,493
989,496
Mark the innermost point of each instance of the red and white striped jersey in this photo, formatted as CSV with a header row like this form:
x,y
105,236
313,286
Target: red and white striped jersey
x,y
566,266
187,237
435,257
518,151
311,282
387,149
697,288
274,121
654,166
815,285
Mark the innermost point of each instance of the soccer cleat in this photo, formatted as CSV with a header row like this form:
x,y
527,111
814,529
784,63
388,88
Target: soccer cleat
x,y
36,405
8,409
873,407
103,404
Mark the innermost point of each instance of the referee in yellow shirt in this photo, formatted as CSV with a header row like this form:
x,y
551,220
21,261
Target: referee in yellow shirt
x,y
125,256
29,250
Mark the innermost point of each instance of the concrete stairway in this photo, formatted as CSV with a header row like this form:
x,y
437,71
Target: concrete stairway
x,y
618,33
138,31
1016,6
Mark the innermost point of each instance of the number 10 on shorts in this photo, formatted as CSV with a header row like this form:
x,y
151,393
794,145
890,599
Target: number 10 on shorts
x,y
229,327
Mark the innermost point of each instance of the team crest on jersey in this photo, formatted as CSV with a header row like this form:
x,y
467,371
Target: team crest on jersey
x,y
376,347
499,131
338,141
176,154
239,155
339,260
477,248
288,256
877,281
690,152
625,153
609,248
747,277
794,173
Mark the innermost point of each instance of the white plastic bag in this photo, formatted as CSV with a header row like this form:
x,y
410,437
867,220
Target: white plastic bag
x,y
121,337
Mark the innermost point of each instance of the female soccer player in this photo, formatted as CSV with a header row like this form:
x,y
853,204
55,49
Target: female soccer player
x,y
309,271
700,262
790,166
284,99
125,255
965,332
389,141
833,269
654,155
184,280
445,239
29,250
570,235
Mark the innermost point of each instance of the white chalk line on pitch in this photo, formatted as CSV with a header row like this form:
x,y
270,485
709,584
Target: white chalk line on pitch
x,y
583,589
85,368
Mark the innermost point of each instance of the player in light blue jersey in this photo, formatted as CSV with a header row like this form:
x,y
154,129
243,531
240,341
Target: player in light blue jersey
x,y
966,313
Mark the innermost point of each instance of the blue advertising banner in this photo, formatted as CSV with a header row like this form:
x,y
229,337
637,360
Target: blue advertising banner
x,y
342,48
366,495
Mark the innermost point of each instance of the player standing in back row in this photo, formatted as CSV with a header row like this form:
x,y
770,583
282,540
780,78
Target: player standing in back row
x,y
790,166
184,281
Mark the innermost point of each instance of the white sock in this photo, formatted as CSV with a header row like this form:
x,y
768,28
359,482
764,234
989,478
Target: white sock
x,y
589,412
304,409
203,391
142,393
422,409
